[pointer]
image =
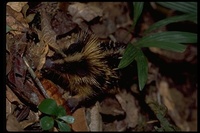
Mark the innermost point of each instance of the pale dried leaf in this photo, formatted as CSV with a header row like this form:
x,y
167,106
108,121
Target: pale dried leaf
x,y
121,101
12,124
31,118
8,107
24,9
36,55
17,6
30,17
15,20
110,106
43,58
174,101
128,103
11,97
82,12
95,117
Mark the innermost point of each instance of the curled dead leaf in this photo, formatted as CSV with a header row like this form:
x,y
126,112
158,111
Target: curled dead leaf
x,y
128,103
95,118
17,6
81,12
175,103
12,124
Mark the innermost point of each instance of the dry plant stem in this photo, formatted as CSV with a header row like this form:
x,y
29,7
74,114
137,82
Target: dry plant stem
x,y
37,81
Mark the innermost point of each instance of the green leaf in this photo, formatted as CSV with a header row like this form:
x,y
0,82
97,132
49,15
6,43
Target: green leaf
x,y
69,119
138,7
163,22
61,111
129,55
8,28
63,127
176,47
47,123
48,106
134,53
185,7
169,36
142,68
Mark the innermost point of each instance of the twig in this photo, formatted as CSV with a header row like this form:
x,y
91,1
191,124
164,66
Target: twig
x,y
37,81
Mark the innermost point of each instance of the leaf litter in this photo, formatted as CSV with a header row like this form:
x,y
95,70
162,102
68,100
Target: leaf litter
x,y
175,103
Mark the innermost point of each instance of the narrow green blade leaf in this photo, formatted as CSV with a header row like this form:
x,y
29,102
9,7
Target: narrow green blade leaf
x,y
138,7
185,7
163,22
63,127
169,36
142,68
128,56
69,119
48,106
47,123
176,47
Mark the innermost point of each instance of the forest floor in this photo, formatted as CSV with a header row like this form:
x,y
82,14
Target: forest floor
x,y
168,100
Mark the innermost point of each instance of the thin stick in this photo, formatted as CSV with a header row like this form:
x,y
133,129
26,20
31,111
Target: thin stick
x,y
37,81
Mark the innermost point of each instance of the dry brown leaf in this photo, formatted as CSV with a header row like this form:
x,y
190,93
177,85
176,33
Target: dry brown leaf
x,y
109,127
81,12
104,29
120,125
8,63
174,101
80,123
15,20
116,126
31,118
12,125
100,30
128,103
17,6
189,55
30,17
123,35
62,23
36,54
114,17
19,84
95,118
111,106
11,97
8,107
